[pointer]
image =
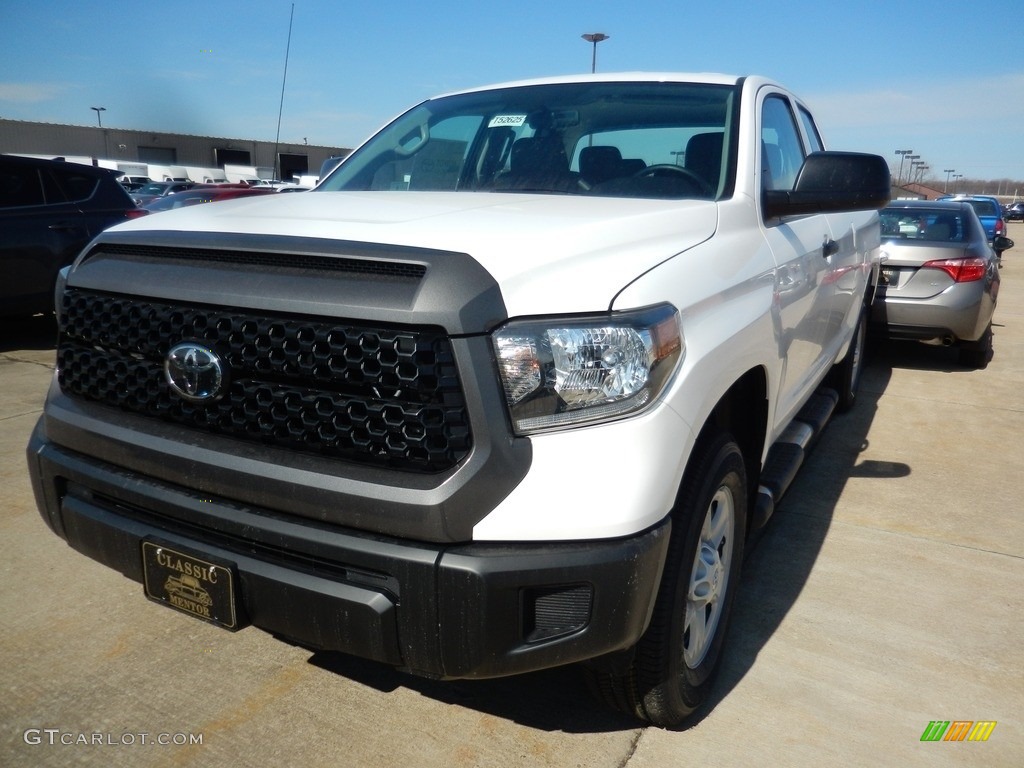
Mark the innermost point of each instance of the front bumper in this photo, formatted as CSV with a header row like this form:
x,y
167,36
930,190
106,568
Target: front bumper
x,y
470,610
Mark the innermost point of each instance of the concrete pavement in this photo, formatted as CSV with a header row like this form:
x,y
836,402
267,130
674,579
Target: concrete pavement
x,y
887,593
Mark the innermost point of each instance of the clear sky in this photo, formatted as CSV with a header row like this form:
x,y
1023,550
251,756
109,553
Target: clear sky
x,y
941,77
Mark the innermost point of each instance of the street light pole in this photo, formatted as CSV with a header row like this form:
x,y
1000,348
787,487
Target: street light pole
x,y
594,38
947,171
913,159
99,122
903,156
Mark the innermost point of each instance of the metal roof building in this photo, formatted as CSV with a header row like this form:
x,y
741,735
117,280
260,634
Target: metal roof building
x,y
118,144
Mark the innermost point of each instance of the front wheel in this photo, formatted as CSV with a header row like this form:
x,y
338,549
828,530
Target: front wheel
x,y
671,670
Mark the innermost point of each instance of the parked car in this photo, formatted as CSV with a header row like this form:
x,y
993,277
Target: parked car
x,y
49,211
198,195
155,189
939,276
133,183
990,211
1014,212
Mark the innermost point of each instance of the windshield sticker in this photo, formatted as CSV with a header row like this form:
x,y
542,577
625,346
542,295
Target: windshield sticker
x,y
512,121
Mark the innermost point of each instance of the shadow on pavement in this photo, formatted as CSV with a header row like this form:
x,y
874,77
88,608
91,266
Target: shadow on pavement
x,y
774,575
777,570
552,700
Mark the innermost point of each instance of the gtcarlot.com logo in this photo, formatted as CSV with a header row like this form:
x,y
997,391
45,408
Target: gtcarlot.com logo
x,y
958,730
58,736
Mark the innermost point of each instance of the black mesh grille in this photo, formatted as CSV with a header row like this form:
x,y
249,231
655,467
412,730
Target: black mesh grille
x,y
385,396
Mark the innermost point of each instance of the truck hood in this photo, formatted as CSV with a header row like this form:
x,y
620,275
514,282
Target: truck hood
x,y
545,251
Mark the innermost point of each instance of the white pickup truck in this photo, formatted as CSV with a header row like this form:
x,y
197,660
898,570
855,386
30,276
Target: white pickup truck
x,y
512,388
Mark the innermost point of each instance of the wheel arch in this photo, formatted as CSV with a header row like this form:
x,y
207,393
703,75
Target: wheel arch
x,y
743,412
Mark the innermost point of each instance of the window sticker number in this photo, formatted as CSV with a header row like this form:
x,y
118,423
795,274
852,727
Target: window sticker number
x,y
512,121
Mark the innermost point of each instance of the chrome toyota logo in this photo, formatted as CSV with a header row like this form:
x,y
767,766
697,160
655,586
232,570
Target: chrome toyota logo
x,y
194,372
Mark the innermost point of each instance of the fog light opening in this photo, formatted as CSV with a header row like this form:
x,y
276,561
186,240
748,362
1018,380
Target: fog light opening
x,y
550,612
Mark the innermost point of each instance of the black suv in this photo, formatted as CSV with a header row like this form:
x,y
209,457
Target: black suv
x,y
49,211
1014,212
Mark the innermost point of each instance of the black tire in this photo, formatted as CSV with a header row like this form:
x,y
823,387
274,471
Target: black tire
x,y
975,354
845,375
670,672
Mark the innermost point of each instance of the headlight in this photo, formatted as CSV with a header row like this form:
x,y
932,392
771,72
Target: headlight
x,y
562,372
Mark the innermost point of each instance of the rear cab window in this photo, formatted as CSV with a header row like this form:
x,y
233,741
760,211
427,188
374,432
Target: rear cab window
x,y
810,130
985,208
782,151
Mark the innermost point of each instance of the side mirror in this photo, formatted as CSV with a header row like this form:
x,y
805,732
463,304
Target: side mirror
x,y
1001,243
830,182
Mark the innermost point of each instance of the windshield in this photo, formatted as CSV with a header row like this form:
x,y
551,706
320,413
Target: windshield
x,y
664,140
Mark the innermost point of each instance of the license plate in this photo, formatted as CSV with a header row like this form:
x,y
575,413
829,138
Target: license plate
x,y
190,584
890,277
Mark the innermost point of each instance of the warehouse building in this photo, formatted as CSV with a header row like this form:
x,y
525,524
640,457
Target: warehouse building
x,y
287,160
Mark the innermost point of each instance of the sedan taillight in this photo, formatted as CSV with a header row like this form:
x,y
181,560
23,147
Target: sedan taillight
x,y
961,270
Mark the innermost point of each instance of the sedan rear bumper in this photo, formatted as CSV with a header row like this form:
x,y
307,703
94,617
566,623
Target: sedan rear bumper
x,y
961,313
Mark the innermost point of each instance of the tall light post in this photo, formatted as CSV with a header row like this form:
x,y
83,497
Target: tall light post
x,y
956,181
903,156
911,159
947,171
99,122
594,38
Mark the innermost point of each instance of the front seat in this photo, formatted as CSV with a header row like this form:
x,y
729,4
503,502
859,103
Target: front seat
x,y
537,164
599,164
704,157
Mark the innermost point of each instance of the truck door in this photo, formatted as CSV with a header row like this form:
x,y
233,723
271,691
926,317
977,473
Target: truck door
x,y
849,258
798,244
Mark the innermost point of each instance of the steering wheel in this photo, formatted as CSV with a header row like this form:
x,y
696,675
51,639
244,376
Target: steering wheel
x,y
667,170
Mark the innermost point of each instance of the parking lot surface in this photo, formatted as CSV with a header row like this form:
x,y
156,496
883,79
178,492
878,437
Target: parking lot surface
x,y
886,594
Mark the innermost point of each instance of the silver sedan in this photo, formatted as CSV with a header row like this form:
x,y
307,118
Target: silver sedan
x,y
939,277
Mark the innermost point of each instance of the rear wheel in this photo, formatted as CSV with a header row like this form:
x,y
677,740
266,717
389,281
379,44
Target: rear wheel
x,y
975,354
845,375
670,672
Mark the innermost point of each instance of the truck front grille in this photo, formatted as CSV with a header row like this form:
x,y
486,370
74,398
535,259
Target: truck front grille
x,y
384,396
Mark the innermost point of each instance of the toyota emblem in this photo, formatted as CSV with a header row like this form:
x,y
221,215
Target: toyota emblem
x,y
194,372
